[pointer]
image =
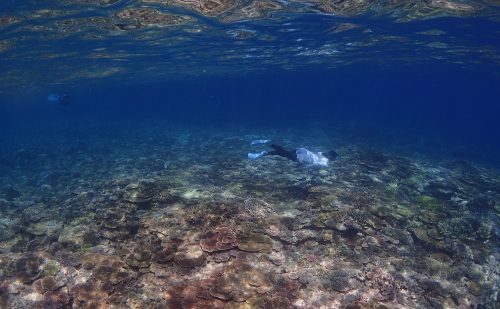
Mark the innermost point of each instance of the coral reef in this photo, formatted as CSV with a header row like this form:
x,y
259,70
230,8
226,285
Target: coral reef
x,y
219,239
370,231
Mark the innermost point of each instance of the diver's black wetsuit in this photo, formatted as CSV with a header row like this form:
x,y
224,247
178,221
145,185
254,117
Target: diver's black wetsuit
x,y
282,152
292,154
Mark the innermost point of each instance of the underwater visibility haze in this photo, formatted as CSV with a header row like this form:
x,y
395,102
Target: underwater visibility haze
x,y
249,154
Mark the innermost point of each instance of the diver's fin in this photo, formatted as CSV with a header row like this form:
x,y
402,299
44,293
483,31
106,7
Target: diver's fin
x,y
256,155
260,141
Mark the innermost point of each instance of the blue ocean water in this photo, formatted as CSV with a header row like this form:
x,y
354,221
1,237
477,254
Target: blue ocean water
x,y
125,128
437,109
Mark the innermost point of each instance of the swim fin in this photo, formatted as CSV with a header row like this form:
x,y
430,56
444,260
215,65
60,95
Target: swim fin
x,y
256,155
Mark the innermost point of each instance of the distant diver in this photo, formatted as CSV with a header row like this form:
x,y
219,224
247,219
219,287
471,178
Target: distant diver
x,y
301,155
61,99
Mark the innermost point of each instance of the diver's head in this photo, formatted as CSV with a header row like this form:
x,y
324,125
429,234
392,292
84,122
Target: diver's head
x,y
331,155
64,99
61,99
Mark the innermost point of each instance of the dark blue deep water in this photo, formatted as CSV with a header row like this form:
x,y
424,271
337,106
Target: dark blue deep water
x,y
127,130
434,109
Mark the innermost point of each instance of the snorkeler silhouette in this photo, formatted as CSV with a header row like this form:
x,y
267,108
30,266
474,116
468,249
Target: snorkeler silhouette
x,y
301,155
61,99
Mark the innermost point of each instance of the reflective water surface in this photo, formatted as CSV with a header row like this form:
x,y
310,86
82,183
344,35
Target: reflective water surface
x,y
73,41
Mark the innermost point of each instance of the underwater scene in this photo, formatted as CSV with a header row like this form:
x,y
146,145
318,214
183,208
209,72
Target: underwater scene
x,y
247,154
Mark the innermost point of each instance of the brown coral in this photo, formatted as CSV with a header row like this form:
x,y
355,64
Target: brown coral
x,y
106,269
240,282
46,284
255,242
27,267
117,222
54,299
219,239
88,293
193,294
190,256
139,257
165,253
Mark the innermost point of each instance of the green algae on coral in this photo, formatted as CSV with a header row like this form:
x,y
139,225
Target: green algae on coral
x,y
86,247
430,203
51,268
403,213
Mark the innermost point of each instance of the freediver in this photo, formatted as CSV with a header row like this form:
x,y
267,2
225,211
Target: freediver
x,y
301,155
61,99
